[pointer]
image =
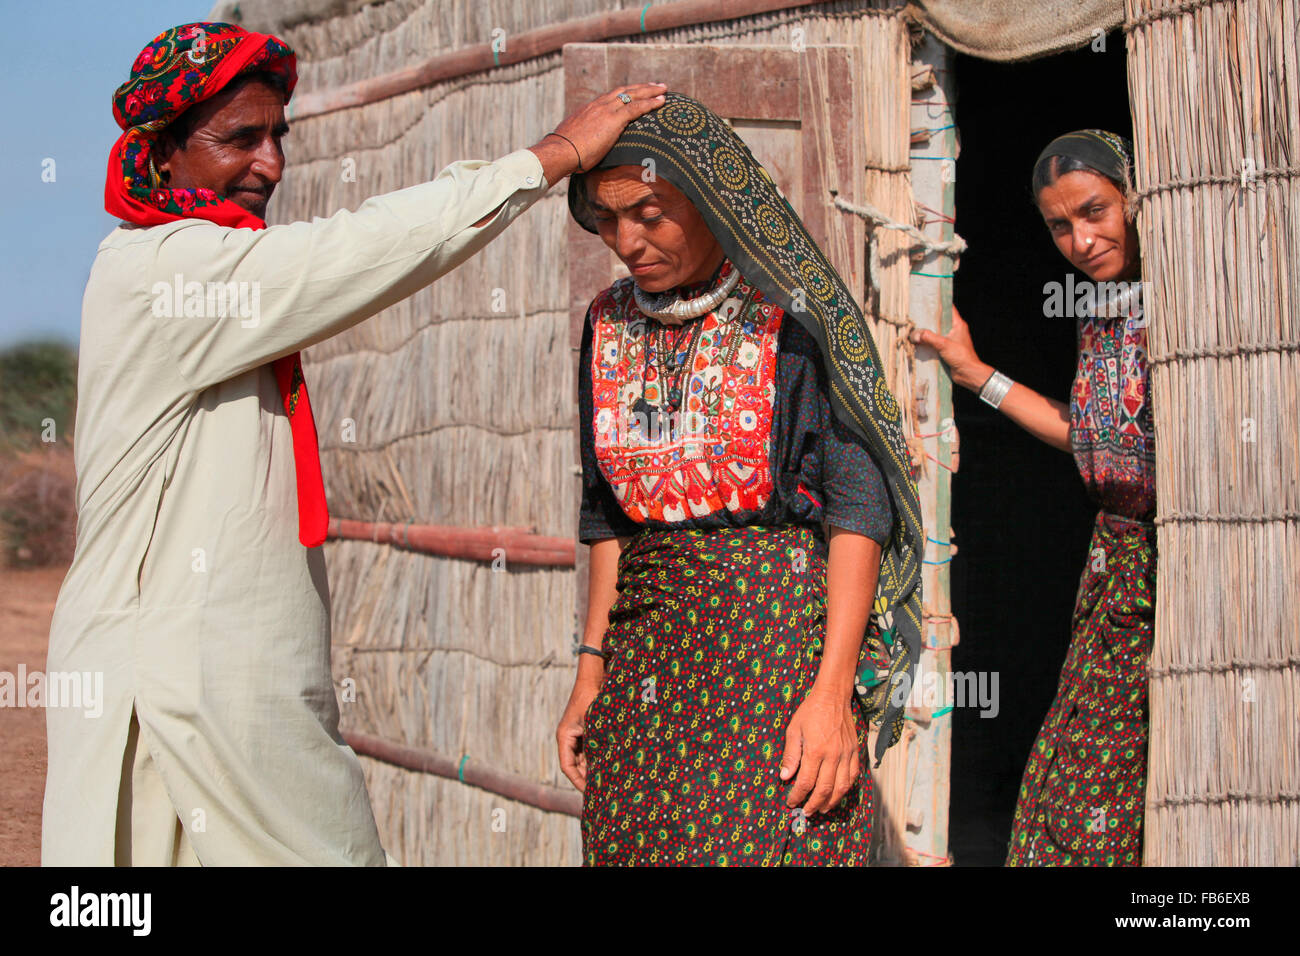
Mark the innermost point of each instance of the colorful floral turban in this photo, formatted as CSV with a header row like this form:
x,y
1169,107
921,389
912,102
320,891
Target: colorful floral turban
x,y
179,68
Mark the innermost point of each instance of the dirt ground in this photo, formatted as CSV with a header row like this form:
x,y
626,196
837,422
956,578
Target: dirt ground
x,y
26,606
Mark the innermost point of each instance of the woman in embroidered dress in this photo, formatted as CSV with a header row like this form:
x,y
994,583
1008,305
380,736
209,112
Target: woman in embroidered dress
x,y
1081,796
731,659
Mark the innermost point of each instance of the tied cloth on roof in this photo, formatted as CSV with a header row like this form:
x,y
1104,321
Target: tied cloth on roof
x,y
1015,30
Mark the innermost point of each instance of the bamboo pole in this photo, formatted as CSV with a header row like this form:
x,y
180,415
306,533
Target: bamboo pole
x,y
511,544
509,785
933,184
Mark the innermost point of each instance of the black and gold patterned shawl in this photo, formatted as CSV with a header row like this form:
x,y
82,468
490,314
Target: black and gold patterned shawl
x,y
692,148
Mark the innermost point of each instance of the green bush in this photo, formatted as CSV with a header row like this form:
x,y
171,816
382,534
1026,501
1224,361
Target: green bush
x,y
38,386
38,382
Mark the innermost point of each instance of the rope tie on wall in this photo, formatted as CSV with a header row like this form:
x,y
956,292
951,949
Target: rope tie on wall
x,y
947,247
1242,180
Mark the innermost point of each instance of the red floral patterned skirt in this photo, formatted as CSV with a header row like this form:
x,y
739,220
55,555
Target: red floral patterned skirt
x,y
713,642
1081,797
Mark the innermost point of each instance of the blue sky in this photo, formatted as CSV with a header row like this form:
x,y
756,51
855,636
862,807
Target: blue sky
x,y
62,61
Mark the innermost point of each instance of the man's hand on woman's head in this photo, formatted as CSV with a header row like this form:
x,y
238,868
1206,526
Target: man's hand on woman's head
x,y
581,140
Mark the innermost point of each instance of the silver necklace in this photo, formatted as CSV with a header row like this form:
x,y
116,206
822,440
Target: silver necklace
x,y
671,309
1124,302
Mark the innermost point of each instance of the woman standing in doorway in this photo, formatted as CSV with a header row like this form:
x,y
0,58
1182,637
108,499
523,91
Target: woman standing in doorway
x,y
1081,797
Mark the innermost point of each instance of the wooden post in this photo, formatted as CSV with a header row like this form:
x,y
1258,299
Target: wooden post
x,y
933,184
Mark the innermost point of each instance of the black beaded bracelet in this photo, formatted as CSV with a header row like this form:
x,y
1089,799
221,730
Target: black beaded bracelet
x,y
588,649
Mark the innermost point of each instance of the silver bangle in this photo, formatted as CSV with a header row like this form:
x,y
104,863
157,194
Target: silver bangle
x,y
995,389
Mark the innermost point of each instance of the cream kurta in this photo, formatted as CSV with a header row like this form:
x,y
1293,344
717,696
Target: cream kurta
x,y
190,591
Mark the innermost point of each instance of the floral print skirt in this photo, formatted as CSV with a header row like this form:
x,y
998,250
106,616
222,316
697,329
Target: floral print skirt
x,y
712,644
1081,797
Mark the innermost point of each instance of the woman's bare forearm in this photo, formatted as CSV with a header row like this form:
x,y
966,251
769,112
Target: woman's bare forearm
x,y
1045,418
851,571
602,578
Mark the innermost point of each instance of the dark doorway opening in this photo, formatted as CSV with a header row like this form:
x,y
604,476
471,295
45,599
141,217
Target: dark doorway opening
x,y
1020,515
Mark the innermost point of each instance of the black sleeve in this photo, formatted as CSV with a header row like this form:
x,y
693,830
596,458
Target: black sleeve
x,y
599,515
855,495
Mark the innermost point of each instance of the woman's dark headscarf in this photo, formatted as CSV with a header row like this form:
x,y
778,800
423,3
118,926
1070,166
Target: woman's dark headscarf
x,y
1096,150
694,150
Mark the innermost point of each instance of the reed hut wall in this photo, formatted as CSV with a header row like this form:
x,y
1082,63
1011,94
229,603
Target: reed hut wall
x,y
456,406
1215,91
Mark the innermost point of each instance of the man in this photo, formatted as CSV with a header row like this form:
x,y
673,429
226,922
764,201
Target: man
x,y
197,589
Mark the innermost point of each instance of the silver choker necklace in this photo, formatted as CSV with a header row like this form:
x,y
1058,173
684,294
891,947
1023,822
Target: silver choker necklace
x,y
1118,299
671,309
